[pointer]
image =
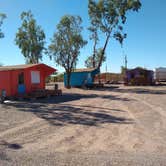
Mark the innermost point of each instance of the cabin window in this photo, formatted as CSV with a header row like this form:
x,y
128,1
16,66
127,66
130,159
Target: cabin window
x,y
21,78
35,77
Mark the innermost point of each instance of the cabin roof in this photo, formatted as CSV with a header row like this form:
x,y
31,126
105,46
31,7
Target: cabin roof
x,y
84,70
15,67
18,67
138,69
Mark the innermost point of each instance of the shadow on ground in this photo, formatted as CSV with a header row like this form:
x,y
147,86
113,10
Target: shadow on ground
x,y
4,146
13,146
62,115
57,112
68,97
137,90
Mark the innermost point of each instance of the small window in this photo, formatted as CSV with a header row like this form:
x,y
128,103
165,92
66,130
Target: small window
x,y
35,77
21,78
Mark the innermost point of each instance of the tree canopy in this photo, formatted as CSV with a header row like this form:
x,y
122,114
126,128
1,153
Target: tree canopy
x,y
30,38
93,61
2,17
109,16
66,43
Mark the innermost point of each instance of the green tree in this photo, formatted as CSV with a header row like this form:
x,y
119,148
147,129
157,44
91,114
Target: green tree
x,y
66,43
123,70
94,37
2,17
30,38
109,16
93,60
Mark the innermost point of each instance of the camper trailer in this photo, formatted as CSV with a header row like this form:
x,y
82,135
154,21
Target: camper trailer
x,y
160,74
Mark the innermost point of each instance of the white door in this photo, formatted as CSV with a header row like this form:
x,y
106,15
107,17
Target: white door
x,y
35,77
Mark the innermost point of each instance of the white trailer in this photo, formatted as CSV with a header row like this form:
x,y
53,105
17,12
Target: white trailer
x,y
160,74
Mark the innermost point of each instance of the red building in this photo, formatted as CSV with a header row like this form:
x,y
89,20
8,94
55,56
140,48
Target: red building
x,y
23,79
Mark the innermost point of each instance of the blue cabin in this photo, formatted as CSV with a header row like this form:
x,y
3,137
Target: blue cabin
x,y
82,77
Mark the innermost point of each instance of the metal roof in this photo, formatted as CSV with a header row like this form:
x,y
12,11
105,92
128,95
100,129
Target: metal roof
x,y
84,70
139,69
18,67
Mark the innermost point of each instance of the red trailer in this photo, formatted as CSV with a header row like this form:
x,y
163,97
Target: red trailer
x,y
23,79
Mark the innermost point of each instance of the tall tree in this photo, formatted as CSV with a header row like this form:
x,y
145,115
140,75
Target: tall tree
x,y
93,60
66,43
109,16
30,38
2,17
94,38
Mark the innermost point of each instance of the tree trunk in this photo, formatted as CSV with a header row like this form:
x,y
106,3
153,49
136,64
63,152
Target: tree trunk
x,y
94,55
37,60
103,51
93,59
68,74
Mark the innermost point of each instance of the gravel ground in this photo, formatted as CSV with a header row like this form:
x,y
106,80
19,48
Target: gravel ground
x,y
115,125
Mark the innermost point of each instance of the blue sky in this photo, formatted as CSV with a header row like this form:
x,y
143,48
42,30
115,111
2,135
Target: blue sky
x,y
145,44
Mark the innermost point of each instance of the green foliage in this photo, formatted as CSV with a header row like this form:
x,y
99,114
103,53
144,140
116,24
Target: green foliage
x,y
93,63
30,38
2,17
66,43
123,70
94,36
55,78
109,16
58,78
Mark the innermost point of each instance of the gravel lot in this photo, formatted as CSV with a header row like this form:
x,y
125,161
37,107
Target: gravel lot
x,y
115,125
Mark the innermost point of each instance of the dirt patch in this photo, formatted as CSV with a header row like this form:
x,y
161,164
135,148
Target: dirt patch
x,y
111,120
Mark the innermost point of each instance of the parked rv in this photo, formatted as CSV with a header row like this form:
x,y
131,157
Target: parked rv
x,y
160,74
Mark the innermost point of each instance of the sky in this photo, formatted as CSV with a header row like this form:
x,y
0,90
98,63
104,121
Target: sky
x,y
146,33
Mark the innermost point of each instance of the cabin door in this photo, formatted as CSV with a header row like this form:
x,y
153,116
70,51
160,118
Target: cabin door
x,y
21,81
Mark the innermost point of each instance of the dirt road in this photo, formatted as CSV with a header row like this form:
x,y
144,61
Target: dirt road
x,y
111,126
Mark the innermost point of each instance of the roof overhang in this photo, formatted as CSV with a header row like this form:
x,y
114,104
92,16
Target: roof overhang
x,y
48,70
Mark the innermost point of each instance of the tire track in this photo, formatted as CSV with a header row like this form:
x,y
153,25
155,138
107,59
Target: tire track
x,y
146,131
19,128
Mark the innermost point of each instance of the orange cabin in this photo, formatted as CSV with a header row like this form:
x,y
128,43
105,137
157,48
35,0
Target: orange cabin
x,y
21,79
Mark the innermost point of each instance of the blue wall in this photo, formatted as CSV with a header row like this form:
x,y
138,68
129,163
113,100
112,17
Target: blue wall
x,y
81,78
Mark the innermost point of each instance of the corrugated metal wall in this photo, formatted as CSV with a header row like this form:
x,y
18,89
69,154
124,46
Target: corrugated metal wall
x,y
81,78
